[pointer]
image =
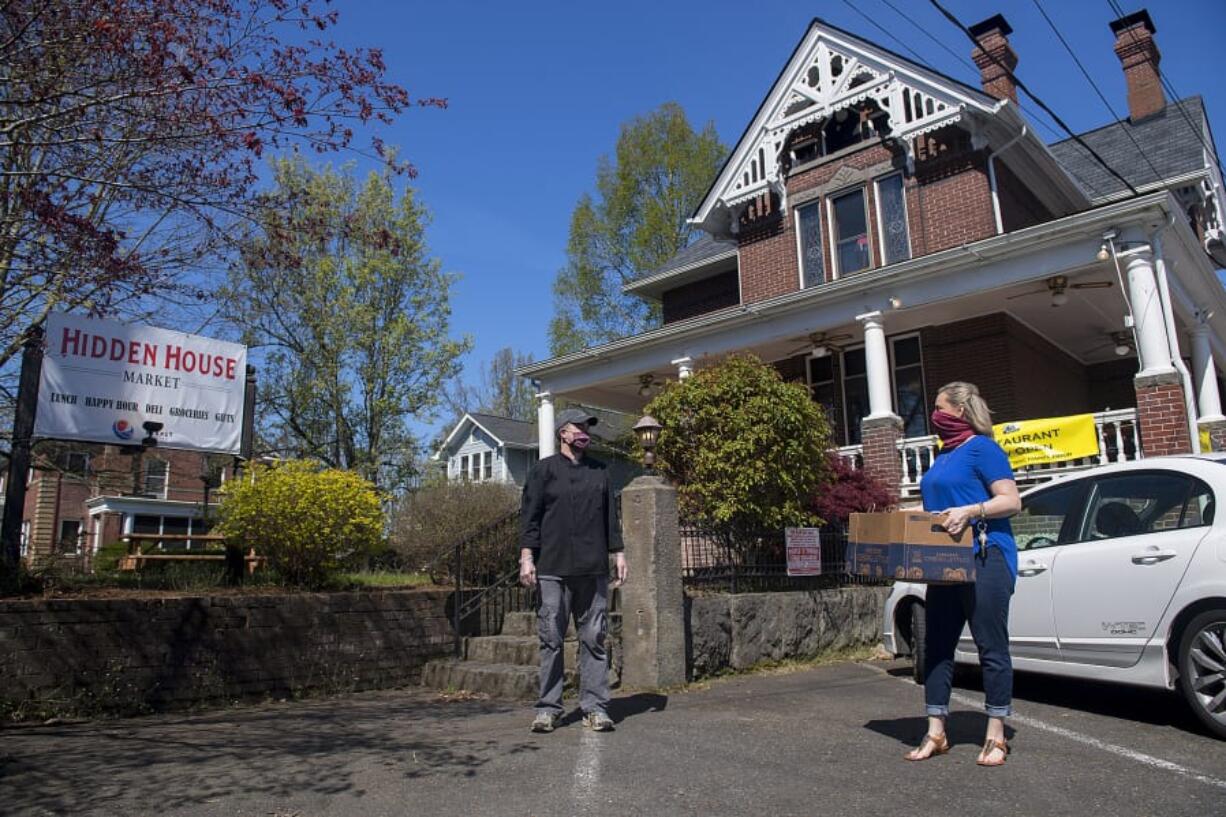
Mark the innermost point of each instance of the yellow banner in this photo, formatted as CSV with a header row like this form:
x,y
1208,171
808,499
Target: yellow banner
x,y
1052,439
1206,444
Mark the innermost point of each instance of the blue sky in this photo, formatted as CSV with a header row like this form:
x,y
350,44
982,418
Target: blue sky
x,y
538,91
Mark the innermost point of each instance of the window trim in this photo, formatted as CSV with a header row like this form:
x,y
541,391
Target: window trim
x,y
906,215
165,492
842,381
836,271
894,370
60,540
815,204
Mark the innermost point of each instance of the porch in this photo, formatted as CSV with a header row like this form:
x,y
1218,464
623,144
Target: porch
x,y
1114,312
1117,442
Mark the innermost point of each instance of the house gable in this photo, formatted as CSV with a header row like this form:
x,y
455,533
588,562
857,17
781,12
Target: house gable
x,y
832,72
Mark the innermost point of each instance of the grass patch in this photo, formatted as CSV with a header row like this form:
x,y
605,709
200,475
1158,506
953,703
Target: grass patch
x,y
383,579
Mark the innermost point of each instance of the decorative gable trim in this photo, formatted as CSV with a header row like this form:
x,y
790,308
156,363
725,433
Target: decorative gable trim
x,y
832,71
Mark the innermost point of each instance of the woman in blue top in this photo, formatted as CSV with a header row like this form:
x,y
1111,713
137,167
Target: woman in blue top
x,y
971,483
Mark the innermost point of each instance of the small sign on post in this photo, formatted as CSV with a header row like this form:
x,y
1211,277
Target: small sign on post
x,y
804,547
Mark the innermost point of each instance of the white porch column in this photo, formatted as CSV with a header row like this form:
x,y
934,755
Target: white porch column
x,y
545,439
877,366
1152,346
685,367
1205,373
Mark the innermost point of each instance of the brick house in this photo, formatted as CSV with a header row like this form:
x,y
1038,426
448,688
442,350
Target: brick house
x,y
81,496
881,229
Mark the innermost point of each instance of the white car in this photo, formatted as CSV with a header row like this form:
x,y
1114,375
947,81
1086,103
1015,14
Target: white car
x,y
1121,577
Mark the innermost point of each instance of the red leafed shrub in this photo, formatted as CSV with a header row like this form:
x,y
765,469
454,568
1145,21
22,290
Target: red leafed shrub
x,y
850,491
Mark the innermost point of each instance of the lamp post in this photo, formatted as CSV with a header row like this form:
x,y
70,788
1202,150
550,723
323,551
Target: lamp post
x,y
647,429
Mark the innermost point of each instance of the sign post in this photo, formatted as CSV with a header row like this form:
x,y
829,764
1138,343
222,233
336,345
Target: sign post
x,y
19,458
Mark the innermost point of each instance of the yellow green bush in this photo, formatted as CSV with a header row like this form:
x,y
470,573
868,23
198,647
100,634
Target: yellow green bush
x,y
309,521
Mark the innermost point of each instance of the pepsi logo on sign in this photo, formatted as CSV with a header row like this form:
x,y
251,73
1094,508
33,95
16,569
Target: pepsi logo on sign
x,y
123,429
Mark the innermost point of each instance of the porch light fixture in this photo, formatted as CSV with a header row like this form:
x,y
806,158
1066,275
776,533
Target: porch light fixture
x,y
819,350
647,430
1103,252
1059,297
1122,346
646,383
895,302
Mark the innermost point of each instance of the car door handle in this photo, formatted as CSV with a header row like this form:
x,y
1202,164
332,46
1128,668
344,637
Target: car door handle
x,y
1032,569
1152,557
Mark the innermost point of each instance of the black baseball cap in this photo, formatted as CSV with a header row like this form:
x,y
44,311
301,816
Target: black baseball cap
x,y
573,415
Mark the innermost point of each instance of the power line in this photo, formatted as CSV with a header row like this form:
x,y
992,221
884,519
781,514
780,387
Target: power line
x,y
962,60
1170,89
1021,86
1094,85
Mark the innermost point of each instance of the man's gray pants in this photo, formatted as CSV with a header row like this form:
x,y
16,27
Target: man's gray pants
x,y
586,597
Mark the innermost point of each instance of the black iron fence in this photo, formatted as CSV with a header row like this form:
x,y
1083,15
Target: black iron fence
x,y
731,561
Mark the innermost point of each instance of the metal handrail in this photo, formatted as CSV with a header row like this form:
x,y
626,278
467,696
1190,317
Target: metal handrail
x,y
461,607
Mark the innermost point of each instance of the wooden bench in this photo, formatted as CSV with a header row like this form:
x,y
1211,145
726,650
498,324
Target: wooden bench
x,y
136,556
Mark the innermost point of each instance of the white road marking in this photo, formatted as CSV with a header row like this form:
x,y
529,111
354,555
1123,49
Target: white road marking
x,y
587,769
1069,734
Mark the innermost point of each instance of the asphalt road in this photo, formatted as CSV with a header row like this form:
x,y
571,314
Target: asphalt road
x,y
823,741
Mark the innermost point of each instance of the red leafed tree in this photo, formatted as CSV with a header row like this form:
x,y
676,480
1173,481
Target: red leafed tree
x,y
850,490
130,132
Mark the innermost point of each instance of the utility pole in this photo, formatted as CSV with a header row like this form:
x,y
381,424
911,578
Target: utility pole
x,y
19,458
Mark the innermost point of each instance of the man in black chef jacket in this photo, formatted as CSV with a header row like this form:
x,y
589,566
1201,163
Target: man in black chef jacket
x,y
568,531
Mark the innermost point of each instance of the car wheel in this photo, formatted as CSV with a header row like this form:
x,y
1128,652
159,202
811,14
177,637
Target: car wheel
x,y
1202,669
919,630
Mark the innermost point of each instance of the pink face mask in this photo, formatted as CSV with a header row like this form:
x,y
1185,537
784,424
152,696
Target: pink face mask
x,y
952,429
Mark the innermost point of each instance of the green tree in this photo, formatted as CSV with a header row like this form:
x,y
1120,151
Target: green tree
x,y
498,391
338,292
748,451
635,223
308,521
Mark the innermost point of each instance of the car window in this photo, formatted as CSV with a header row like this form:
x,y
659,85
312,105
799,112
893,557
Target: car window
x,y
1146,502
1049,517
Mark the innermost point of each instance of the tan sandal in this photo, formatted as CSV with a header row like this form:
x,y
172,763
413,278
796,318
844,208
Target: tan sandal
x,y
940,745
990,746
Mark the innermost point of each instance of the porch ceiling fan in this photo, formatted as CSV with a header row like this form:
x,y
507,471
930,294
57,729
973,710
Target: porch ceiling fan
x,y
1121,342
1058,286
820,344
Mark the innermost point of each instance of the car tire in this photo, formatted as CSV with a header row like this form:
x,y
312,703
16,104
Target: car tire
x,y
1206,635
919,631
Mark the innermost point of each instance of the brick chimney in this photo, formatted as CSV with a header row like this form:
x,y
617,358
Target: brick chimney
x,y
995,57
1138,53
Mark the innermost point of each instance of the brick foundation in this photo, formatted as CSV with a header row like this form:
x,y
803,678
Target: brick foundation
x,y
880,437
1162,415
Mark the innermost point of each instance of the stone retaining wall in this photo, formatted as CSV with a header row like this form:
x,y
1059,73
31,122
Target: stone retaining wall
x,y
63,656
738,631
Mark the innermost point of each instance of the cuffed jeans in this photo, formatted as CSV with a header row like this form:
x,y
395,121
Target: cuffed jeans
x,y
586,597
985,604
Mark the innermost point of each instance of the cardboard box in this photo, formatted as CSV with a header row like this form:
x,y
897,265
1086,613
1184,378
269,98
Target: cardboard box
x,y
909,545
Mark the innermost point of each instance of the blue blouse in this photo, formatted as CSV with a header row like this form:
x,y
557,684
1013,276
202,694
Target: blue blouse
x,y
964,476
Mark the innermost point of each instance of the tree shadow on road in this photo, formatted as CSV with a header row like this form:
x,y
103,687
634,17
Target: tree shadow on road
x,y
960,728
266,753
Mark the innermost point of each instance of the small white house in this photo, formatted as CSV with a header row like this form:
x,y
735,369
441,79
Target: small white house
x,y
489,448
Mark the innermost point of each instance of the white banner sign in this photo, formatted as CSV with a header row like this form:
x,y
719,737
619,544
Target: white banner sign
x,y
804,547
103,380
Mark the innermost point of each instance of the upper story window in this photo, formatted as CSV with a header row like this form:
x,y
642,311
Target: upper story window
x,y
892,219
156,476
809,244
849,223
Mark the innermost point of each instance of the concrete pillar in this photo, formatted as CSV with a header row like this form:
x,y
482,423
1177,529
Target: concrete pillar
x,y
1153,350
653,612
1204,375
1162,415
877,366
546,440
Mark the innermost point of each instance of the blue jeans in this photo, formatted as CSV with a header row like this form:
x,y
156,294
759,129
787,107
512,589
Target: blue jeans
x,y
985,604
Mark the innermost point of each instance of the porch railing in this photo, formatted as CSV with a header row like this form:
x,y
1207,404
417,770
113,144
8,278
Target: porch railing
x,y
1117,442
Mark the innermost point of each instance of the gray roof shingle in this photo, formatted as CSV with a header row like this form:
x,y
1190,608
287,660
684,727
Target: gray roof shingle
x,y
704,248
516,432
1172,146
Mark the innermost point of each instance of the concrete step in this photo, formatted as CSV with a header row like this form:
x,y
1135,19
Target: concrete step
x,y
522,650
522,624
509,681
